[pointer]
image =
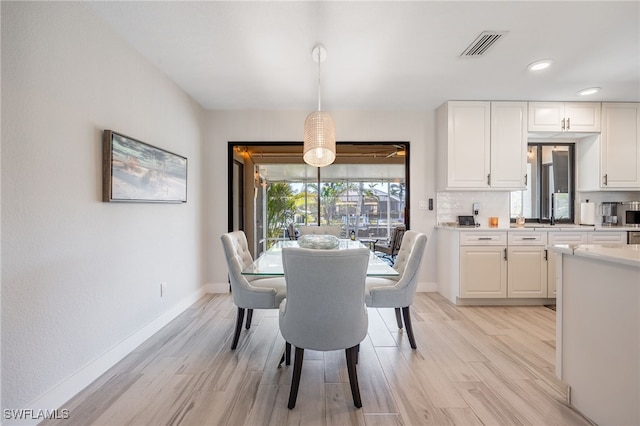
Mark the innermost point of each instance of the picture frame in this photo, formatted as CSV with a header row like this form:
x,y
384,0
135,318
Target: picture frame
x,y
134,171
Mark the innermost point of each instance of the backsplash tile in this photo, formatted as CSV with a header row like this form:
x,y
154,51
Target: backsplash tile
x,y
450,205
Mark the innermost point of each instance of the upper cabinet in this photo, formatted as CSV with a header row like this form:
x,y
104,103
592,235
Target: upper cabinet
x,y
620,146
482,145
564,116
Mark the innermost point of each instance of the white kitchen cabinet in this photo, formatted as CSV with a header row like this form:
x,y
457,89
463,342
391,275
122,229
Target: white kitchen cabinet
x,y
607,237
527,271
464,143
620,146
483,272
508,145
527,265
564,116
483,265
481,145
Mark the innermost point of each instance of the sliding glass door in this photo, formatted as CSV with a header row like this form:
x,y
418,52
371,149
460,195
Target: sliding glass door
x,y
365,191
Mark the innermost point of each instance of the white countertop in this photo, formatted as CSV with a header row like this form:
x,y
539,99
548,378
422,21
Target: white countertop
x,y
626,254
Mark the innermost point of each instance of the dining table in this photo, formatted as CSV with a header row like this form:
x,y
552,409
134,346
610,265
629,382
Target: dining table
x,y
270,262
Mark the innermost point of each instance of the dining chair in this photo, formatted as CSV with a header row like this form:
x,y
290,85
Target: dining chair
x,y
324,309
398,292
249,292
390,249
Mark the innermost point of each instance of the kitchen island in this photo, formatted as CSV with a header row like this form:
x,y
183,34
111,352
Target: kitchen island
x,y
598,330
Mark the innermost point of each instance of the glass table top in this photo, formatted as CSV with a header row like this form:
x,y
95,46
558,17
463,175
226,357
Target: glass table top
x,y
270,262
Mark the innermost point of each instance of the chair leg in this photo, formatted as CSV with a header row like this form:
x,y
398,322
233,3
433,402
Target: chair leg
x,y
236,335
249,316
352,354
286,355
295,380
407,322
398,318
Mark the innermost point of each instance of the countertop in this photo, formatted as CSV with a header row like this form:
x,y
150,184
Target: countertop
x,y
626,254
540,227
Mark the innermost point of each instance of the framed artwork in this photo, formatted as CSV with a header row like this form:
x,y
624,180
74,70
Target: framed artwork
x,y
135,171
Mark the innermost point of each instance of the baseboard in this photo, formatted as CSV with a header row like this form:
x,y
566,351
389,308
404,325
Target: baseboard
x,y
72,385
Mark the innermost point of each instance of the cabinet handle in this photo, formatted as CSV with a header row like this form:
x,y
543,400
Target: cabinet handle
x,y
528,238
489,179
563,124
526,181
606,180
568,123
546,254
484,238
505,254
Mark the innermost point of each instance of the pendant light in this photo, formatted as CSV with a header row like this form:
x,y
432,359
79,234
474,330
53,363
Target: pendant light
x,y
319,130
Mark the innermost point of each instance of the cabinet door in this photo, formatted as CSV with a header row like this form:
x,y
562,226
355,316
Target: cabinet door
x,y
620,145
508,145
582,116
546,116
468,144
483,272
527,271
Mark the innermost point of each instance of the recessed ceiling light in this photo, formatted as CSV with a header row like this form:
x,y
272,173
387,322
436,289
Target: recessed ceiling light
x,y
589,91
540,65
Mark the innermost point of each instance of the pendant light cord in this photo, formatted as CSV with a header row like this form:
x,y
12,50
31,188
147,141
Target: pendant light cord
x,y
319,95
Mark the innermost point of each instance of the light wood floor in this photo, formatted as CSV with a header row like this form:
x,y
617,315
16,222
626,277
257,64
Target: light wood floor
x,y
473,366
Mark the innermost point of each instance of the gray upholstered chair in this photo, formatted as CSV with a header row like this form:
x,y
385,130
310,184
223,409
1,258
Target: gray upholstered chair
x,y
249,292
324,309
398,292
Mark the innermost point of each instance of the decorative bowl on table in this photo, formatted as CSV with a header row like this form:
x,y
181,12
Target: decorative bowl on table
x,y
319,241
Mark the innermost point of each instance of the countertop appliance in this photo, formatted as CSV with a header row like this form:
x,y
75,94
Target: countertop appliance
x,y
633,237
609,213
631,214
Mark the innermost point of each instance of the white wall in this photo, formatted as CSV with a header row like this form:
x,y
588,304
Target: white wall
x,y
254,126
80,276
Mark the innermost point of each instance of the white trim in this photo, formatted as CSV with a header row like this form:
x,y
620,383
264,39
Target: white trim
x,y
75,383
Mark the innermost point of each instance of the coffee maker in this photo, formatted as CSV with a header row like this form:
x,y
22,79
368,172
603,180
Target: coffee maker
x,y
609,213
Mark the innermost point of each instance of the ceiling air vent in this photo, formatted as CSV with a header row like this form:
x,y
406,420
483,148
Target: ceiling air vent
x,y
481,44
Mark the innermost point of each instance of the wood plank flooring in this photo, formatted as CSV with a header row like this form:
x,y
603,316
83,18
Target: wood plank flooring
x,y
473,366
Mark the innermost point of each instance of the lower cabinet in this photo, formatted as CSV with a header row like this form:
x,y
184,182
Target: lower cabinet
x,y
483,272
506,264
527,271
501,265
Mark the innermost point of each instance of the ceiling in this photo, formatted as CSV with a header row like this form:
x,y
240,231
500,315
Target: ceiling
x,y
383,55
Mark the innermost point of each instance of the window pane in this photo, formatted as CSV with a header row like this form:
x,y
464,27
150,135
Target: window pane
x,y
550,187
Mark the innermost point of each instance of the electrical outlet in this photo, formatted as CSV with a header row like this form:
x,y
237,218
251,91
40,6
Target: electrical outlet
x,y
476,209
163,289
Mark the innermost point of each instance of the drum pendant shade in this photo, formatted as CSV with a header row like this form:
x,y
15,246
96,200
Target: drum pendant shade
x,y
319,130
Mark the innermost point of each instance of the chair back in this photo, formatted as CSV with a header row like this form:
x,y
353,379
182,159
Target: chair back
x,y
238,257
322,230
396,239
324,309
408,262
